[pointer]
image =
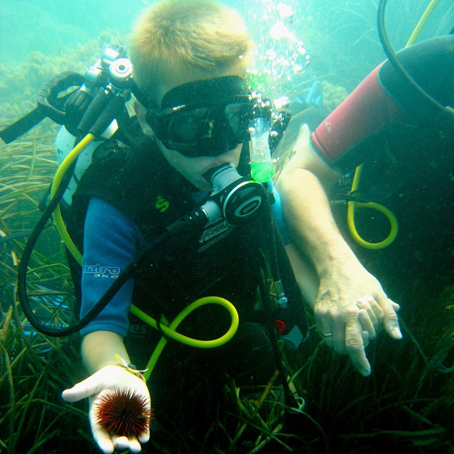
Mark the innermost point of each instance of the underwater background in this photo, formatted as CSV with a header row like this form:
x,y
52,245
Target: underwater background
x,y
406,406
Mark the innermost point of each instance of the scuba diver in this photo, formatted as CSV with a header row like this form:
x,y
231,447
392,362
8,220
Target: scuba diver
x,y
189,142
190,148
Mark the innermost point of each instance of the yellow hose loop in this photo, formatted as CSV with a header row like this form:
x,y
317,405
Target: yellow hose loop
x,y
375,206
352,206
58,220
170,331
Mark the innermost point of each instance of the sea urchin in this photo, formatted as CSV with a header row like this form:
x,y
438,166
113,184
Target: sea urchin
x,y
123,412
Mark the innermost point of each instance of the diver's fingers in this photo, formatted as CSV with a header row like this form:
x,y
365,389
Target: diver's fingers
x,y
390,319
394,305
365,318
354,344
326,332
391,324
145,436
374,311
85,388
365,335
121,443
124,442
103,439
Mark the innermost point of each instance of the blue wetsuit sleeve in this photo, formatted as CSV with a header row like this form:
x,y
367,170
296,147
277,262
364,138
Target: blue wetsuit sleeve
x,y
278,214
111,242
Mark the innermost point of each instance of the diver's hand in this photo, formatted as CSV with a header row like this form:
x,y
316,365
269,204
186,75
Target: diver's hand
x,y
350,309
106,380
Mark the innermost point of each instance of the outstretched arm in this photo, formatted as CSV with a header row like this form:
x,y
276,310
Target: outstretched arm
x,y
109,239
350,305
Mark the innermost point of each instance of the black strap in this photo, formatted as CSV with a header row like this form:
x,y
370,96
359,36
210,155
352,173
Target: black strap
x,y
21,126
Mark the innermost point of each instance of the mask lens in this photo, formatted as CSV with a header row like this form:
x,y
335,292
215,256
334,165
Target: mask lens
x,y
187,127
208,130
239,115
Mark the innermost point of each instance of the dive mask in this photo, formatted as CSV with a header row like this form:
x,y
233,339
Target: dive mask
x,y
204,118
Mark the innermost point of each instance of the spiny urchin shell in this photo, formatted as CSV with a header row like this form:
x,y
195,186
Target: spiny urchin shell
x,y
124,412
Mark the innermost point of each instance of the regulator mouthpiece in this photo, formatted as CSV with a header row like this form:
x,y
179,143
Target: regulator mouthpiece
x,y
233,197
262,169
223,176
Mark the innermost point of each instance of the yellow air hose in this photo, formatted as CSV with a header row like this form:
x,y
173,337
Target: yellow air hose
x,y
422,22
59,223
352,206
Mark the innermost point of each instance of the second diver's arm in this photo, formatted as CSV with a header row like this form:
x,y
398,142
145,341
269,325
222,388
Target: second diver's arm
x,y
350,304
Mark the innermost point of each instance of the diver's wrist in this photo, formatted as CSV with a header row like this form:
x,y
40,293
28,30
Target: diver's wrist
x,y
334,263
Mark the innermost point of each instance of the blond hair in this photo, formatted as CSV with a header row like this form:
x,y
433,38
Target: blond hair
x,y
186,37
